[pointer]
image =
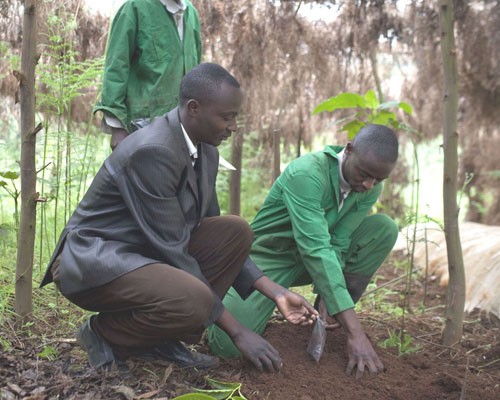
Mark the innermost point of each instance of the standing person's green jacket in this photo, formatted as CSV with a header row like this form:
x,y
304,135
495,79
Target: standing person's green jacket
x,y
146,59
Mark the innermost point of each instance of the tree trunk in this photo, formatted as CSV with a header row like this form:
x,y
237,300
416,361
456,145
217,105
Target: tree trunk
x,y
299,134
276,154
373,61
456,287
235,180
26,238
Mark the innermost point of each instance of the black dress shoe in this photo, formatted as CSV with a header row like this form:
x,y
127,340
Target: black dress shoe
x,y
175,352
100,354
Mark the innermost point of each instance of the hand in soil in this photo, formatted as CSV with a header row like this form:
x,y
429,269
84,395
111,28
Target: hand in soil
x,y
295,308
362,355
255,348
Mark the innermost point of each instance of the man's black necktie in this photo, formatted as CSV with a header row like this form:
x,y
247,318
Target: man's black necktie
x,y
196,165
197,171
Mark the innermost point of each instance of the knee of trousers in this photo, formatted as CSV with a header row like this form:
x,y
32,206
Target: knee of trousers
x,y
240,229
385,225
196,306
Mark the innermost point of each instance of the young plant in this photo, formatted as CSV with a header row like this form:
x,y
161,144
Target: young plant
x,y
62,78
378,300
402,342
49,352
365,110
12,191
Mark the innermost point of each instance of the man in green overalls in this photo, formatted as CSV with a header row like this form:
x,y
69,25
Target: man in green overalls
x,y
314,227
152,45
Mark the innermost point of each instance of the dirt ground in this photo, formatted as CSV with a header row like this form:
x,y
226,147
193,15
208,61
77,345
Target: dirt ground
x,y
469,371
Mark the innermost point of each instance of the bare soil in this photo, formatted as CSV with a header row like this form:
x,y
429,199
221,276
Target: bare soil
x,y
471,370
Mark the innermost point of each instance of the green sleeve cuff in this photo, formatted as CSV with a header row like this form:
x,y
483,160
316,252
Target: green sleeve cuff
x,y
338,301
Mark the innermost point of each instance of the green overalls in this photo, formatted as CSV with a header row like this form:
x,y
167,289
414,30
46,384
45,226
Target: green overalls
x,y
302,237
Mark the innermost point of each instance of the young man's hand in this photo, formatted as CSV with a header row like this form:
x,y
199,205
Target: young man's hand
x,y
359,349
295,308
362,355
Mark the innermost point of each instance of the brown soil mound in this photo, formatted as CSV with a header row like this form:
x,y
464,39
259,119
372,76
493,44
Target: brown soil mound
x,y
428,374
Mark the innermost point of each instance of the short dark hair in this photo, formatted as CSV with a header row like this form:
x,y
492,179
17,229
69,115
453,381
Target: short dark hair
x,y
203,82
378,140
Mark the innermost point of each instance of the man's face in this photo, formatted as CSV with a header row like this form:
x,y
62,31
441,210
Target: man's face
x,y
364,171
216,119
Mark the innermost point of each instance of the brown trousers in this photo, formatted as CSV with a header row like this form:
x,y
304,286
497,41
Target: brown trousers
x,y
141,308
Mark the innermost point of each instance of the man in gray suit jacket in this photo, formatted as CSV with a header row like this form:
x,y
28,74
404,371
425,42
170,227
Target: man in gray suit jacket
x,y
148,250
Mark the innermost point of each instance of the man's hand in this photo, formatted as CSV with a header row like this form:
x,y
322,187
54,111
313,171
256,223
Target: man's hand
x,y
362,354
295,308
262,355
117,135
359,349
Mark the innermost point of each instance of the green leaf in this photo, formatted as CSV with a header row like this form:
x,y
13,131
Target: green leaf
x,y
3,183
223,385
395,124
383,118
9,175
222,390
48,352
406,108
342,101
388,104
324,106
371,100
218,394
352,128
194,396
55,39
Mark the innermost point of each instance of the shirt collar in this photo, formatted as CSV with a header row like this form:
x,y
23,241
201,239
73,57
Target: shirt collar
x,y
344,186
193,151
173,6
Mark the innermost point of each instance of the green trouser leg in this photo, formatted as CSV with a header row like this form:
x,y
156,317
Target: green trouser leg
x,y
371,242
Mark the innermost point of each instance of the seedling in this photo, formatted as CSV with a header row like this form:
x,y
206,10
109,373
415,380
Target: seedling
x,y
48,352
402,341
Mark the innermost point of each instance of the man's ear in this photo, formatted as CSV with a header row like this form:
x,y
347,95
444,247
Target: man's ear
x,y
193,107
348,148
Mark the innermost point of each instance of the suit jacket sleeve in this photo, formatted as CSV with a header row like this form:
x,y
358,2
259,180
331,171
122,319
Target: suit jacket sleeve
x,y
243,283
150,184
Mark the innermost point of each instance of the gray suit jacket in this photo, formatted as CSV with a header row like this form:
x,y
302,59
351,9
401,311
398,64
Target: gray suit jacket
x,y
140,209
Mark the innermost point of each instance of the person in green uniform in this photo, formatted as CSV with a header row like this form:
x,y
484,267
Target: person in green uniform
x,y
152,45
315,227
